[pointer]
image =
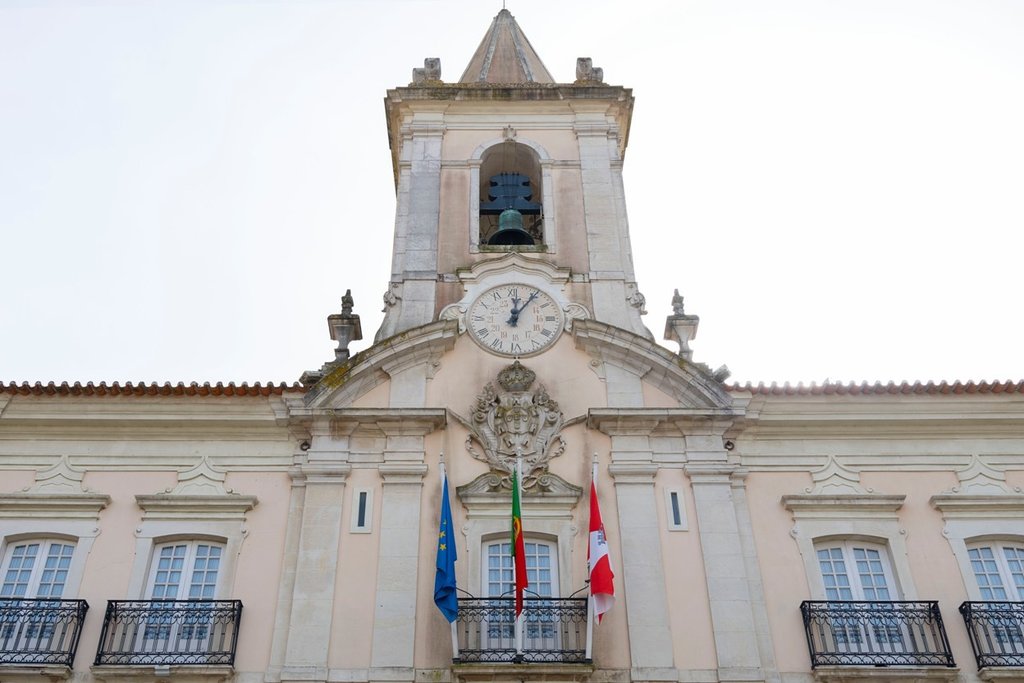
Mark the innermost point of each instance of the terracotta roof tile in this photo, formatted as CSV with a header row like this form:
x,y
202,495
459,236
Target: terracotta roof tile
x,y
878,388
271,389
150,389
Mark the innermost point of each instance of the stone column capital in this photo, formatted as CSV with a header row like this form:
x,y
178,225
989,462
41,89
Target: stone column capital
x,y
402,473
322,473
710,473
633,472
391,421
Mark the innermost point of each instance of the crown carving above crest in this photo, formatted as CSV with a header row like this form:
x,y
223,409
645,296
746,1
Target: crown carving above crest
x,y
516,377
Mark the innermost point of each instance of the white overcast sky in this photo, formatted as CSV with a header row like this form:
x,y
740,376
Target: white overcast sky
x,y
187,187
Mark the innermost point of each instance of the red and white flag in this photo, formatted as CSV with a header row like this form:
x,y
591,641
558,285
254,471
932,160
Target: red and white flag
x,y
602,584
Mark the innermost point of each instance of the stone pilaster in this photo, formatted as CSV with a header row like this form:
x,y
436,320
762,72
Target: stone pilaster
x,y
643,572
394,619
605,218
315,570
414,263
737,645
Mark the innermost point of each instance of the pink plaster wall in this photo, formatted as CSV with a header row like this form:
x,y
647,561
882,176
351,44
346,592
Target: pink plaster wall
x,y
258,572
782,568
355,588
685,581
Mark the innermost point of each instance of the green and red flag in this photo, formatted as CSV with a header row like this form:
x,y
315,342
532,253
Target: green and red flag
x,y
518,549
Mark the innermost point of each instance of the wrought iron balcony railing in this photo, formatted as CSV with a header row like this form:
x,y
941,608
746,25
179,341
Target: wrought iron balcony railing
x,y
165,632
996,630
841,633
40,631
554,630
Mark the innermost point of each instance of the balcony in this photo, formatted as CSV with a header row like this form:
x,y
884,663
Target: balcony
x,y
875,634
996,630
169,633
554,631
40,631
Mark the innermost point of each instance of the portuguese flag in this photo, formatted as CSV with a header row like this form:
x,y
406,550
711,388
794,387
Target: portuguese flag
x,y
518,550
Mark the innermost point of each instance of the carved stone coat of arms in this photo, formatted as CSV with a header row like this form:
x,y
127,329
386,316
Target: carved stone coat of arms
x,y
512,421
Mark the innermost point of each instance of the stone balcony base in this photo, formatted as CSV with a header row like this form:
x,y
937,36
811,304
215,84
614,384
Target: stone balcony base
x,y
34,673
192,673
533,672
1002,673
897,674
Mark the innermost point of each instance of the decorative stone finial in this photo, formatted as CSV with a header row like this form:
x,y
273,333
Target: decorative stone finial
x,y
430,73
345,327
681,328
677,304
586,72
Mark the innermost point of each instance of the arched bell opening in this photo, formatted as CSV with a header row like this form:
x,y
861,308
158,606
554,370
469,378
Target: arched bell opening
x,y
511,213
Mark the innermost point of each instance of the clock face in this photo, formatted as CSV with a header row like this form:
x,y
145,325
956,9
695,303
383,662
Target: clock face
x,y
514,320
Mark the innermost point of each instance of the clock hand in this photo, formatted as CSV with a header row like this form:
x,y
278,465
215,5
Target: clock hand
x,y
527,303
513,317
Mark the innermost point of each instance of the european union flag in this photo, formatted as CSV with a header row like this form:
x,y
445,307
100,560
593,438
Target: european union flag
x,y
444,575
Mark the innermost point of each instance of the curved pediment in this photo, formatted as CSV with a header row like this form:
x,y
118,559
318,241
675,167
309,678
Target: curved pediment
x,y
692,384
689,383
341,384
514,262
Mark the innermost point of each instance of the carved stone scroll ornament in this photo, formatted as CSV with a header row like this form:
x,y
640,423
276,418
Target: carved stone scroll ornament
x,y
510,420
391,296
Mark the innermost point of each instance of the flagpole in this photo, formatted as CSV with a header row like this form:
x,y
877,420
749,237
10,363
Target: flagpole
x,y
519,617
589,653
454,624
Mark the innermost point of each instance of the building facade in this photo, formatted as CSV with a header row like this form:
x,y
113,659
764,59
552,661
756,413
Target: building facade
x,y
289,533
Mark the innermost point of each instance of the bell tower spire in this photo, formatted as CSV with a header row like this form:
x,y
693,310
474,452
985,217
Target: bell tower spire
x,y
508,162
505,55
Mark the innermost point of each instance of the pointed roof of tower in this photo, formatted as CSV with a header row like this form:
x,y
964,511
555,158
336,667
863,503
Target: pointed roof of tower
x,y
505,56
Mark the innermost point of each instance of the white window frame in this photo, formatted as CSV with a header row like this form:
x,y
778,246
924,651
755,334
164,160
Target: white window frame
x,y
367,526
499,633
191,550
848,548
193,634
552,547
675,501
38,564
40,630
851,635
1013,593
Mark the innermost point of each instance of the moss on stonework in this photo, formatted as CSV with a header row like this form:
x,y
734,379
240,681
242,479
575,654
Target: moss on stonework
x,y
337,377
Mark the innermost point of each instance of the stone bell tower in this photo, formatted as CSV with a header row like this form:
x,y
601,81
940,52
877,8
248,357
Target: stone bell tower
x,y
508,164
512,342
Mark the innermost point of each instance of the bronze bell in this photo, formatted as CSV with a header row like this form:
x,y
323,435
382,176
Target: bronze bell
x,y
510,230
